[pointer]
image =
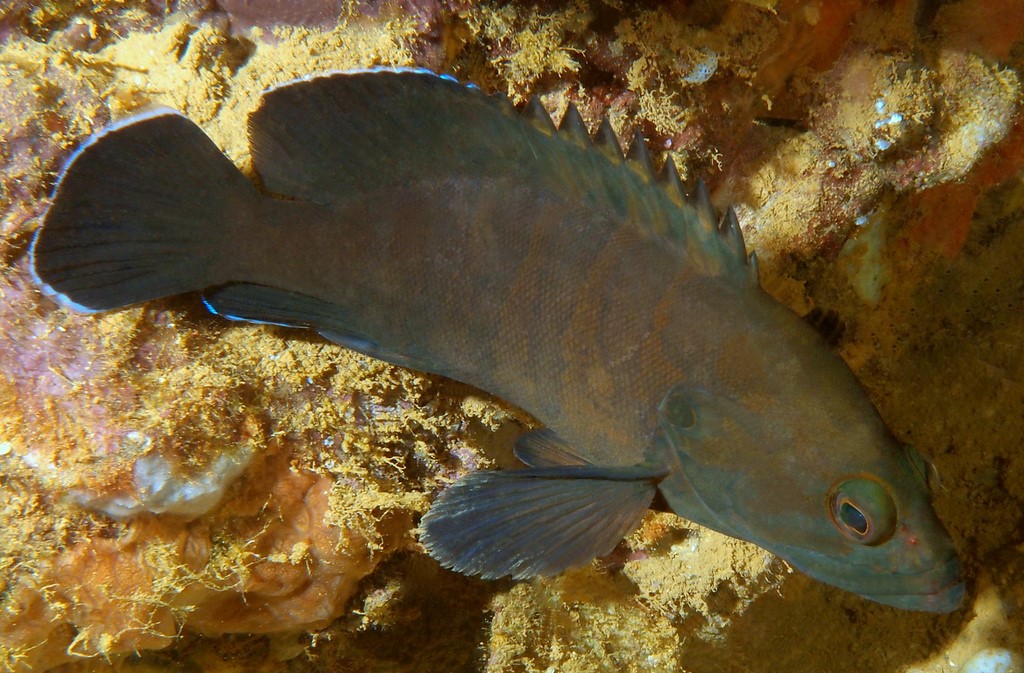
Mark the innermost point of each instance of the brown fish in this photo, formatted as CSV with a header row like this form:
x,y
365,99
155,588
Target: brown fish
x,y
422,222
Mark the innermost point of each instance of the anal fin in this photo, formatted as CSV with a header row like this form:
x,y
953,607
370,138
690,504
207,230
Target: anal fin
x,y
268,305
272,306
538,521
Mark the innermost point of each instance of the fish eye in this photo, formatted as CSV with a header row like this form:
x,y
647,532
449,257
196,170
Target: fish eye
x,y
863,511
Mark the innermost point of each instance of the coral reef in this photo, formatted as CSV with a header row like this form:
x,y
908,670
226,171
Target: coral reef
x,y
185,494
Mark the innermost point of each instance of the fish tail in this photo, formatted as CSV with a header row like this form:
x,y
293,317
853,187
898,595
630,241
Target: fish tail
x,y
144,210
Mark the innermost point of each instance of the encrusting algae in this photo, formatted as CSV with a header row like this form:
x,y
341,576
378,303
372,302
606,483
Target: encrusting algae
x,y
339,454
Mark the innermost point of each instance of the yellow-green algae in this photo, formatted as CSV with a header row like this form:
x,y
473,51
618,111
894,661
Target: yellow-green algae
x,y
397,432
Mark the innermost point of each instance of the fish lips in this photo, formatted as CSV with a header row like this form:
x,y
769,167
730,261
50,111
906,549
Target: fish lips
x,y
938,589
944,590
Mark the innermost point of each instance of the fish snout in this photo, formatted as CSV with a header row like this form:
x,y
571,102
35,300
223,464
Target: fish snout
x,y
939,589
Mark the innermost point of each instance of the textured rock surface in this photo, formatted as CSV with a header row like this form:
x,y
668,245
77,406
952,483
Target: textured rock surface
x,y
172,482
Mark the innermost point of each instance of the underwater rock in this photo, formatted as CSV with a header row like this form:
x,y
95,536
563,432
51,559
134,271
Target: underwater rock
x,y
995,660
266,566
267,13
105,19
887,123
939,351
672,569
37,125
158,488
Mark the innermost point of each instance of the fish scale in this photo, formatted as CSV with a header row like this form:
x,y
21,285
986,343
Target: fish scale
x,y
420,221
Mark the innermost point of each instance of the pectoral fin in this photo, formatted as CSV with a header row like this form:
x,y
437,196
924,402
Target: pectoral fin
x,y
539,521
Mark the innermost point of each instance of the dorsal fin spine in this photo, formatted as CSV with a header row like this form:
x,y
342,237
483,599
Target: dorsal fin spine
x,y
733,235
607,142
670,180
722,234
573,125
706,215
639,158
537,114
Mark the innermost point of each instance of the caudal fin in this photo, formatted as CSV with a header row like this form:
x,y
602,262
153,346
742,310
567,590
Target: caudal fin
x,y
142,211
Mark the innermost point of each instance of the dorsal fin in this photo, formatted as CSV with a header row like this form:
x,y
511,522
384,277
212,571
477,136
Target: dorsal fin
x,y
669,178
706,215
753,273
639,158
730,230
535,112
573,125
607,141
440,127
725,228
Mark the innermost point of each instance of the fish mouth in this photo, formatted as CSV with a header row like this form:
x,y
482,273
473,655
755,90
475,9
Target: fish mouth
x,y
947,599
938,589
947,596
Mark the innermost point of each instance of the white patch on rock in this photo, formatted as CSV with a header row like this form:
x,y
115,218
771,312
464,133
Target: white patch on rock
x,y
160,488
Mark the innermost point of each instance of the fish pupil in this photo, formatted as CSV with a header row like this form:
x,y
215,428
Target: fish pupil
x,y
853,518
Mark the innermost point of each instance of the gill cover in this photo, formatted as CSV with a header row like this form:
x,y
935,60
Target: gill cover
x,y
695,421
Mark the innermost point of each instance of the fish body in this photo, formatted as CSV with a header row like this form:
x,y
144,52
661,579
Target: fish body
x,y
420,221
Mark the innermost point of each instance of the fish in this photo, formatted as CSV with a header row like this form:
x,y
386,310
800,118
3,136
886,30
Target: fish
x,y
421,221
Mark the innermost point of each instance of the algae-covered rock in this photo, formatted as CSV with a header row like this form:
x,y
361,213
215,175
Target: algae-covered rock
x,y
180,493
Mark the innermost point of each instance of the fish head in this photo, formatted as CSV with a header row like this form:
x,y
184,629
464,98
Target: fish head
x,y
782,447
